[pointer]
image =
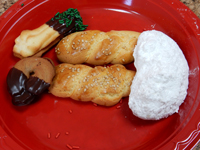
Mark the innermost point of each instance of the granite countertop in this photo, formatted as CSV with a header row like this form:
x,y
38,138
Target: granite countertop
x,y
194,5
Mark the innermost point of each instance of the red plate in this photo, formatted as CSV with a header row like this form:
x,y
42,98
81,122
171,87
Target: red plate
x,y
95,127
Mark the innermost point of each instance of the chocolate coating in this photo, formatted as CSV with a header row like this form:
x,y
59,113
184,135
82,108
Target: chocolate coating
x,y
23,98
22,89
67,22
62,29
35,85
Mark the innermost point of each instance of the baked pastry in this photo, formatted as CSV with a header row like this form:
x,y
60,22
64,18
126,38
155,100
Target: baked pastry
x,y
101,85
38,41
97,48
29,78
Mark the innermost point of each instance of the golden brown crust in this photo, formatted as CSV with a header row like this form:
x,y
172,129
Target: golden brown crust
x,y
43,68
101,85
97,48
35,42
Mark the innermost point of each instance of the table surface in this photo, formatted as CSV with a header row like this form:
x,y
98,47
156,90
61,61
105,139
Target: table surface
x,y
194,5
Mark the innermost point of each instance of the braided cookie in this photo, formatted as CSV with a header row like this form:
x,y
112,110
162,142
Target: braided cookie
x,y
98,48
101,85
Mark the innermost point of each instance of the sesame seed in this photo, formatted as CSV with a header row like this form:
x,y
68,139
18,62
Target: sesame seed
x,y
68,77
123,60
118,69
85,90
110,53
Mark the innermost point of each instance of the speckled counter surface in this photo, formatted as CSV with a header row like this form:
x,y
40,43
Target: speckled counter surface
x,y
194,5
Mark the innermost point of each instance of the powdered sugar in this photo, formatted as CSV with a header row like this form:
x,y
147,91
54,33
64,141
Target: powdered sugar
x,y
161,81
